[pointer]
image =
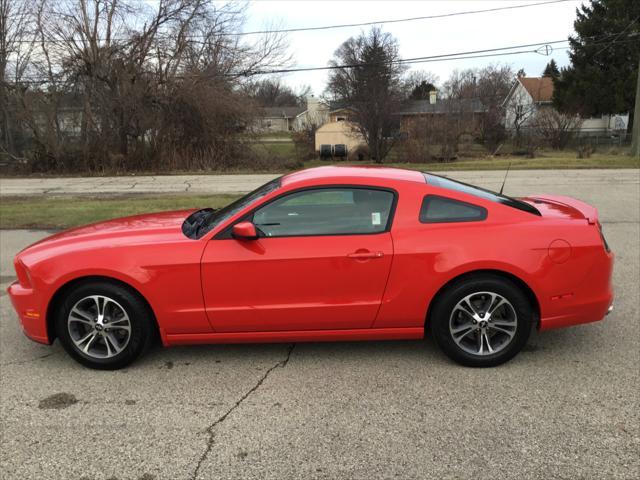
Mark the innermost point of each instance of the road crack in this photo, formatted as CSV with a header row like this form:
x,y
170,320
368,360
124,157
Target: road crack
x,y
211,428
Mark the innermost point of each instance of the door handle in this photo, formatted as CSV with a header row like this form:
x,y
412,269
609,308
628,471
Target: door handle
x,y
365,255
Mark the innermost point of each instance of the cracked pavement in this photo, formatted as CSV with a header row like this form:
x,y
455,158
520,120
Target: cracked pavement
x,y
211,428
215,184
567,407
131,184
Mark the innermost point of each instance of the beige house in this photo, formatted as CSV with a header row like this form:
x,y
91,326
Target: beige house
x,y
339,131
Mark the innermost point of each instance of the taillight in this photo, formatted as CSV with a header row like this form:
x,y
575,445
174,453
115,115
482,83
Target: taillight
x,y
604,240
22,273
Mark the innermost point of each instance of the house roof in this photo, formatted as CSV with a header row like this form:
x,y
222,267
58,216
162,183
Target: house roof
x,y
446,105
540,88
282,112
342,109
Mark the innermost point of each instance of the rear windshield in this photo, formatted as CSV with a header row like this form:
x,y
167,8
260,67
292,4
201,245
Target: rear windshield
x,y
449,184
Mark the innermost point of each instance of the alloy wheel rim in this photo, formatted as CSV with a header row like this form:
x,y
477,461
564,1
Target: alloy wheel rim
x,y
99,327
483,323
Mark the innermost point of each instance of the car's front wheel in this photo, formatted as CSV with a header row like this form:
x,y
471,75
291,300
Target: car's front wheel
x,y
104,325
482,321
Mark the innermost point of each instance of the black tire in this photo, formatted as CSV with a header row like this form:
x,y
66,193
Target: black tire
x,y
142,324
443,309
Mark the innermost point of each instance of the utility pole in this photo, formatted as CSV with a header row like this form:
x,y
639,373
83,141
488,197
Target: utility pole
x,y
635,128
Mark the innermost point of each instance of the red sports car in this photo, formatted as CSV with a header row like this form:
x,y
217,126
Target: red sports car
x,y
331,253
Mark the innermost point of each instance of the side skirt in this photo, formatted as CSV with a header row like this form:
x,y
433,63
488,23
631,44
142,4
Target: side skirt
x,y
411,333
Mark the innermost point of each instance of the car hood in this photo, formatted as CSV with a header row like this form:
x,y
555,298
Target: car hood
x,y
153,227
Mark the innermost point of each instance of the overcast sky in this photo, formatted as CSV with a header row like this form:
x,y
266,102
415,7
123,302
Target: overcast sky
x,y
418,38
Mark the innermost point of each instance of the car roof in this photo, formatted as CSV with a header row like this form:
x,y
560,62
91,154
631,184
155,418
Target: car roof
x,y
342,173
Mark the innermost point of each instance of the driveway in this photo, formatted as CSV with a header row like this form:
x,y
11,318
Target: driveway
x,y
567,407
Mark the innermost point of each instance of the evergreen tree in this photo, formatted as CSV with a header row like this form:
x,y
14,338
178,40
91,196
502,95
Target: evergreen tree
x,y
422,91
551,70
604,60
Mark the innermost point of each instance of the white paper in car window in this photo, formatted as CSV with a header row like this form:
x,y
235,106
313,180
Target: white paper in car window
x,y
375,218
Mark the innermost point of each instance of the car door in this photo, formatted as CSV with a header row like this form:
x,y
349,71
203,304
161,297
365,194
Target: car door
x,y
321,261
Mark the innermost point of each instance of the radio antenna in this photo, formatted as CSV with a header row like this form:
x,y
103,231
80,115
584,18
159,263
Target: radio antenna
x,y
505,178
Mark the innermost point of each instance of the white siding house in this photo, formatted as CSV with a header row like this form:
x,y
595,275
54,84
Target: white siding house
x,y
293,118
278,119
531,94
316,114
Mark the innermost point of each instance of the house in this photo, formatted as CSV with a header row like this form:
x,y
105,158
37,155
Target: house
x,y
530,95
278,119
465,114
339,130
61,118
415,116
315,115
527,96
293,118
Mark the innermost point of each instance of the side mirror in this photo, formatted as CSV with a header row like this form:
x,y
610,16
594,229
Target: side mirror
x,y
244,231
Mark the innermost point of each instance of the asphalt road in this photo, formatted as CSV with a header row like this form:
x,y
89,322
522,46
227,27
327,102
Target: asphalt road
x,y
212,184
567,407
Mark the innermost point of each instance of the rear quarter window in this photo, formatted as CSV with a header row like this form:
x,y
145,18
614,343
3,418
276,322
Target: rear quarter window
x,y
437,209
456,186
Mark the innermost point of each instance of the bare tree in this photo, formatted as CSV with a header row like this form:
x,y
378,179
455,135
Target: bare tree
x,y
370,86
125,71
556,128
469,108
417,84
271,92
493,85
16,46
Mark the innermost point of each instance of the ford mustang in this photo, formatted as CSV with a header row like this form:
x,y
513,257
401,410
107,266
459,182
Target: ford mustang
x,y
325,254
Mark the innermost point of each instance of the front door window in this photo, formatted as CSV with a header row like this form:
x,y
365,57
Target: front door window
x,y
326,211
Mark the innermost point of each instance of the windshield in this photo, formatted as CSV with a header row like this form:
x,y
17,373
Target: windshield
x,y
222,215
449,184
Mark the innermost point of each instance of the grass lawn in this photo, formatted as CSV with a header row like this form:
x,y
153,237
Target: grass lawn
x,y
280,157
283,149
545,160
65,212
285,136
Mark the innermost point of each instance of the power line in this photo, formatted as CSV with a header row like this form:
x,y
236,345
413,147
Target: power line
x,y
399,20
617,37
491,52
485,53
430,60
422,59
327,27
414,59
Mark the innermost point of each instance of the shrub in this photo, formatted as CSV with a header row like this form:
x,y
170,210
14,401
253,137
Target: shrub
x,y
359,153
585,151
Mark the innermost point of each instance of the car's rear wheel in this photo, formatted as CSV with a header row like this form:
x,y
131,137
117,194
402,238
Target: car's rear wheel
x,y
103,325
482,321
